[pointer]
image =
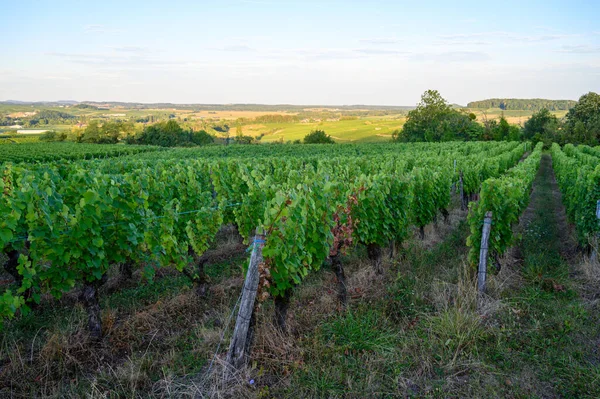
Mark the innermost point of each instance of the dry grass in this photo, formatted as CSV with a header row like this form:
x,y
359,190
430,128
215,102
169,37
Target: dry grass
x,y
232,115
436,232
590,270
588,281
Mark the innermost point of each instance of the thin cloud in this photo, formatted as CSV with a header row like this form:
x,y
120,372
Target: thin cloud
x,y
540,38
453,56
130,49
55,77
328,54
502,35
105,59
381,40
462,43
579,49
93,28
257,2
128,62
474,35
377,51
237,48
100,29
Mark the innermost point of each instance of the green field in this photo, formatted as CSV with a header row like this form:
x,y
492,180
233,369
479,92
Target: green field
x,y
358,130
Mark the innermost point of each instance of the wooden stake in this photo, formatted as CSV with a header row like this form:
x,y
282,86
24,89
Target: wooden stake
x,y
483,252
374,254
453,188
463,204
240,341
594,256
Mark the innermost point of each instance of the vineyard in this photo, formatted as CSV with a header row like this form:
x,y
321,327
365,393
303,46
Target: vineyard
x,y
37,152
74,214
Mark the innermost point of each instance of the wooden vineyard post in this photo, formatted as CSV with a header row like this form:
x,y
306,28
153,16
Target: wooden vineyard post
x,y
453,189
463,204
594,256
241,339
483,252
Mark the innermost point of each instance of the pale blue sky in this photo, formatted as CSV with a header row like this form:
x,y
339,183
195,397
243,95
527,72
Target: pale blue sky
x,y
297,52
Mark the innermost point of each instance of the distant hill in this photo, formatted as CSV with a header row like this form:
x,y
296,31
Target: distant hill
x,y
532,104
246,107
214,107
43,103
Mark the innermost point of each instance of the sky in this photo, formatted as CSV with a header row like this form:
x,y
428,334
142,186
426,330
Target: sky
x,y
297,52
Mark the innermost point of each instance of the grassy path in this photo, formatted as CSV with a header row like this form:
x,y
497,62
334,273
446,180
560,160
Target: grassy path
x,y
548,335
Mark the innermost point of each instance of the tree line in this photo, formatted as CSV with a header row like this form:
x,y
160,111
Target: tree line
x,y
163,134
581,125
435,120
534,104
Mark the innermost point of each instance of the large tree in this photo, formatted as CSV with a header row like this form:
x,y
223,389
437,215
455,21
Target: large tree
x,y
542,126
170,134
318,137
109,133
435,120
583,120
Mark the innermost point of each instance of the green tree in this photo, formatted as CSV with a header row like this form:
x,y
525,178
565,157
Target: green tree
x,y
424,122
91,134
542,126
583,120
534,104
318,137
109,133
514,133
170,134
501,130
53,136
435,120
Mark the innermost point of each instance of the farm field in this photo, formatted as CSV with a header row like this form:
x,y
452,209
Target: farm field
x,y
515,117
123,276
346,125
358,130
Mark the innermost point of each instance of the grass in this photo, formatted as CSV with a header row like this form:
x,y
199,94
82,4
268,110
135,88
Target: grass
x,y
546,328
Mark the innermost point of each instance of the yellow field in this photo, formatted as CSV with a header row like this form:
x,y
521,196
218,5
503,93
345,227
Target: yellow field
x,y
513,117
358,130
232,115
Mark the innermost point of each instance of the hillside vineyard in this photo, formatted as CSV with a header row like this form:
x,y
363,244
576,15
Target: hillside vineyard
x,y
66,223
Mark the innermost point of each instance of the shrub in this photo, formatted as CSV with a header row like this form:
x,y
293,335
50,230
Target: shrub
x,y
170,134
53,136
318,137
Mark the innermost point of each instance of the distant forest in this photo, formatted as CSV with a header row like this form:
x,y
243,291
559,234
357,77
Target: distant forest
x,y
215,107
534,104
